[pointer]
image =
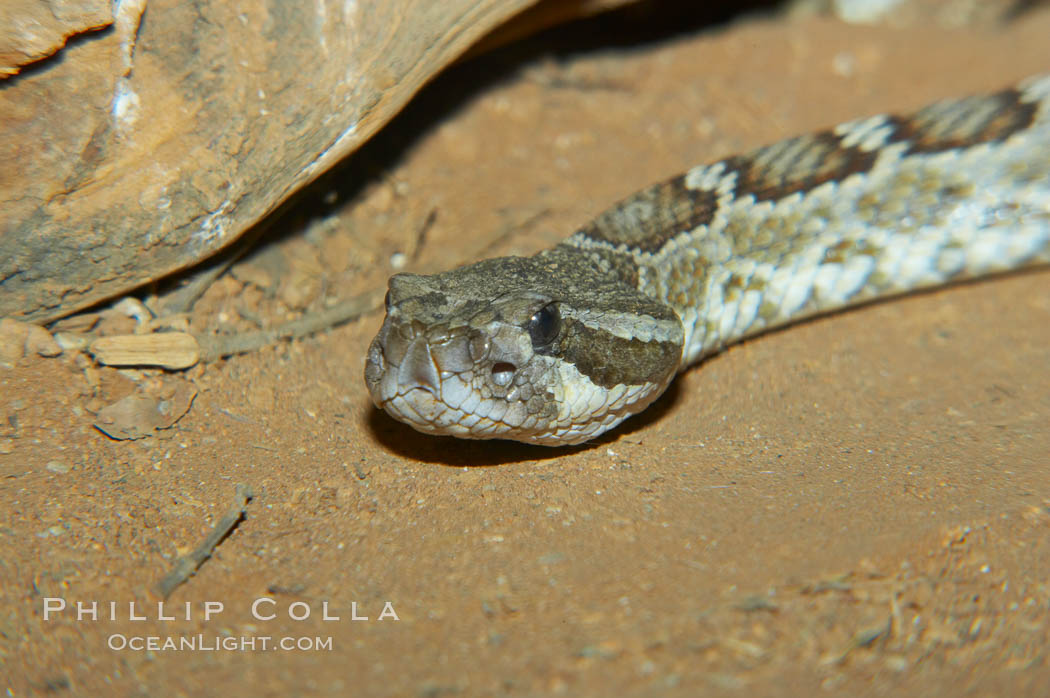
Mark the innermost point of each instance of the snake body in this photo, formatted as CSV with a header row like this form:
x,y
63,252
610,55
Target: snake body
x,y
559,347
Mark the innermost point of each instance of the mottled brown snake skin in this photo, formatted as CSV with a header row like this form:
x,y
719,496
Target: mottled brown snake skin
x,y
557,348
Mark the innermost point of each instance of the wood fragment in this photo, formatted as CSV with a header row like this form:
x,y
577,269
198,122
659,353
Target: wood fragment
x,y
173,350
187,565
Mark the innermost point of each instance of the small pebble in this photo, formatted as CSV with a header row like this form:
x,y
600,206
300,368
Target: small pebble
x,y
865,11
71,341
57,467
12,341
39,341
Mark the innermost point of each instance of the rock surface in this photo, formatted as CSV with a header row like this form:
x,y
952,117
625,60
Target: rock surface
x,y
170,127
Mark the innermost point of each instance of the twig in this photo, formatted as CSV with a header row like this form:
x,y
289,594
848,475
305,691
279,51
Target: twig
x,y
215,347
200,279
193,287
187,565
509,231
421,234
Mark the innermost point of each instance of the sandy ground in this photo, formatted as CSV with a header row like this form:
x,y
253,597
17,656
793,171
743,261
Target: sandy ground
x,y
857,504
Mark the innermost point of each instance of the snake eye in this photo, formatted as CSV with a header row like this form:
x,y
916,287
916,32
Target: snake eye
x,y
386,300
544,326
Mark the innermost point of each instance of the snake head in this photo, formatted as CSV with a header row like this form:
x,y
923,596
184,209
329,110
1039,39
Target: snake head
x,y
506,349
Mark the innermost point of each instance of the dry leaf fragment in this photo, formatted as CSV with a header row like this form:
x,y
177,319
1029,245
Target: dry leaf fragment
x,y
138,416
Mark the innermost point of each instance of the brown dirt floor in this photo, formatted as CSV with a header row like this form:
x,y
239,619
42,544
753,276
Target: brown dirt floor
x,y
858,504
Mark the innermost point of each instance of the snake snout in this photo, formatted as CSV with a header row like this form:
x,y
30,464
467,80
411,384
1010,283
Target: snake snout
x,y
375,366
417,369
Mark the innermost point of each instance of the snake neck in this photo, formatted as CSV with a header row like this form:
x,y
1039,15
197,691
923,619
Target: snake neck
x,y
871,209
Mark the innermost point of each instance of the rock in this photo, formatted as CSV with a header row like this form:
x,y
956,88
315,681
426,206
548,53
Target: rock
x,y
39,341
156,144
12,341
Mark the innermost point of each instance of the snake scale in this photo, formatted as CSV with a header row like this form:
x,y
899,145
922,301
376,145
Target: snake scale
x,y
559,347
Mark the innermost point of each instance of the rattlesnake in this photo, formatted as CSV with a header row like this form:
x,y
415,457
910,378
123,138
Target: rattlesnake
x,y
557,348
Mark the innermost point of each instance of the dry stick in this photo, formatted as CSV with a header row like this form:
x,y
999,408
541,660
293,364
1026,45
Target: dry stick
x,y
186,565
421,234
508,231
215,347
183,298
219,346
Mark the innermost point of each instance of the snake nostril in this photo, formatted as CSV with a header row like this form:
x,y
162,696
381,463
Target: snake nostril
x,y
503,372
